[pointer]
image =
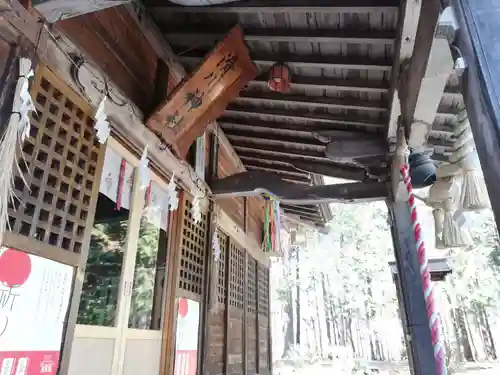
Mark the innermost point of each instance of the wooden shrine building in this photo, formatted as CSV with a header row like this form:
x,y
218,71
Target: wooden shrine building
x,y
163,135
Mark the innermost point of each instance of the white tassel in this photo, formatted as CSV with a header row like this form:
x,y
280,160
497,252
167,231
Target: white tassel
x,y
455,234
438,214
474,195
16,132
216,246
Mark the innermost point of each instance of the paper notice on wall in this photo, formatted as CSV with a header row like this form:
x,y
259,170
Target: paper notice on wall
x,y
186,342
34,300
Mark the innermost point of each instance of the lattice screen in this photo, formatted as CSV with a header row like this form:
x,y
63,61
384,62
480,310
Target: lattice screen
x,y
193,251
221,280
263,290
59,163
237,282
251,285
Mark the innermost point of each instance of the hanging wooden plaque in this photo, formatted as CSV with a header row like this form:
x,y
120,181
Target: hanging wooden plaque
x,y
201,97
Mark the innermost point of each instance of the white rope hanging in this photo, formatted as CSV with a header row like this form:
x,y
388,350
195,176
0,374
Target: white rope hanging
x,y
444,198
474,196
172,196
17,130
455,233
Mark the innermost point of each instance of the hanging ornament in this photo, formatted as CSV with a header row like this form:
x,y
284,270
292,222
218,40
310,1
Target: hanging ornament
x,y
172,197
101,123
455,234
474,196
144,169
196,210
17,130
272,225
216,246
279,78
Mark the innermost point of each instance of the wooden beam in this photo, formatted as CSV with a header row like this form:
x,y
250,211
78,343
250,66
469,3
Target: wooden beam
x,y
282,6
257,183
355,36
57,10
294,176
195,55
323,167
349,84
413,73
439,67
283,148
304,115
408,22
258,98
276,138
304,208
317,127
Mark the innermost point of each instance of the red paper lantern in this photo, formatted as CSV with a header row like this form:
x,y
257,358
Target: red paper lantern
x,y
183,307
15,268
279,78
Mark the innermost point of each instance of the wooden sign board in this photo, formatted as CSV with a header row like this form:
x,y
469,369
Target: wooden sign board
x,y
201,97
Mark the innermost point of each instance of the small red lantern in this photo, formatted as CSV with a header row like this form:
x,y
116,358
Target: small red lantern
x,y
279,78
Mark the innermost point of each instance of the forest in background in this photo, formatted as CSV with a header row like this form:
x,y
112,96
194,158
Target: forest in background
x,y
347,297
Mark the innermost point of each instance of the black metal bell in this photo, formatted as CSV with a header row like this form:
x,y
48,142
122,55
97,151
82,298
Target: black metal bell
x,y
422,170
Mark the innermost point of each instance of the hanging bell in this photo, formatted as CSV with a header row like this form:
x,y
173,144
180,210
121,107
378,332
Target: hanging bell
x,y
422,170
279,78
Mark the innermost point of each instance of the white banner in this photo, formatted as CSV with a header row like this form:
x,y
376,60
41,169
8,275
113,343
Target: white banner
x,y
34,299
110,178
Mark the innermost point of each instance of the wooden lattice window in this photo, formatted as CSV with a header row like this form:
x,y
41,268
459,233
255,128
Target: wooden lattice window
x,y
251,285
221,279
263,290
59,163
192,251
237,282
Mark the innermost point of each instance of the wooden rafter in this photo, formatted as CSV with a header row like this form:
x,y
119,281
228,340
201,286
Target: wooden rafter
x,y
234,122
353,85
195,55
354,36
310,101
304,115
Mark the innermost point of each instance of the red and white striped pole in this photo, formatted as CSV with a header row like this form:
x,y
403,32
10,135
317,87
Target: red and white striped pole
x,y
427,284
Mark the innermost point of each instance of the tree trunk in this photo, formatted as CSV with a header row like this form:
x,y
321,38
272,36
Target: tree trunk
x,y
327,312
487,327
464,334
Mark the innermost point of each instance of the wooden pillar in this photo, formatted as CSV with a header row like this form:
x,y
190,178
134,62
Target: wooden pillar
x,y
209,297
411,297
478,34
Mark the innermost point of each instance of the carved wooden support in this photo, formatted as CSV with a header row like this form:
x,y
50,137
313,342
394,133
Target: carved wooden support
x,y
57,10
258,182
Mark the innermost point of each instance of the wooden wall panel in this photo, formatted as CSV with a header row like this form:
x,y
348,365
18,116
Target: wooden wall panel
x,y
235,207
236,312
112,39
217,318
263,320
251,317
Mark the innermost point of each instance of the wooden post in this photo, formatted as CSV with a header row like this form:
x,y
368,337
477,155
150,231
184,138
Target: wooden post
x,y
210,278
410,292
245,316
478,33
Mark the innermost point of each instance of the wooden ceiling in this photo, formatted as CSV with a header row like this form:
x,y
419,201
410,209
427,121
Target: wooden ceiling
x,y
341,55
